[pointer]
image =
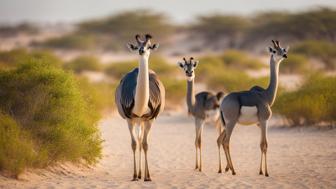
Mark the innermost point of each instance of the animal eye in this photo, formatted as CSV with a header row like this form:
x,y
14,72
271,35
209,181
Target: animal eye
x,y
284,50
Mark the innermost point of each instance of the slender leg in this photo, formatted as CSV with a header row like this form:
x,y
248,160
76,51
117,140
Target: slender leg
x,y
226,144
148,125
196,144
219,142
134,147
263,145
261,161
140,136
199,129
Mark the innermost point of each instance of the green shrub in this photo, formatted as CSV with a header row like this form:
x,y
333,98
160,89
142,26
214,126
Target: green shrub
x,y
313,103
295,63
12,58
235,80
175,91
16,147
219,76
323,50
119,69
84,63
160,66
208,66
240,60
100,95
46,103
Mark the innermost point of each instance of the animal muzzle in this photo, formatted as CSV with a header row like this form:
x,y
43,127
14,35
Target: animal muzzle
x,y
189,73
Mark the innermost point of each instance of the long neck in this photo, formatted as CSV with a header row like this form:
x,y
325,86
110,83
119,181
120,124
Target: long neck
x,y
273,84
190,94
142,88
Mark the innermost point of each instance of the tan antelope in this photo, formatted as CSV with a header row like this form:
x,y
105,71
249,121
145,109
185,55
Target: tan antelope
x,y
140,98
252,107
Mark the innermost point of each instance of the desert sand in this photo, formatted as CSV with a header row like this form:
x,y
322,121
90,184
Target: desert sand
x,y
297,158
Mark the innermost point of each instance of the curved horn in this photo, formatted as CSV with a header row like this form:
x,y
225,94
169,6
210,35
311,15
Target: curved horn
x,y
185,60
277,42
137,38
147,37
274,44
191,59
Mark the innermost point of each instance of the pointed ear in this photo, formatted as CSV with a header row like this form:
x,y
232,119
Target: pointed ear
x,y
219,95
195,64
287,48
154,46
131,47
181,64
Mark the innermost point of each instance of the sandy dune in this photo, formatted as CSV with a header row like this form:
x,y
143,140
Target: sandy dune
x,y
298,158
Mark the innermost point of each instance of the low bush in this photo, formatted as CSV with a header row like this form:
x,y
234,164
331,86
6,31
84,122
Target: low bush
x,y
45,102
175,91
16,147
323,50
220,76
313,103
119,69
84,63
99,95
295,63
234,80
12,58
240,60
208,66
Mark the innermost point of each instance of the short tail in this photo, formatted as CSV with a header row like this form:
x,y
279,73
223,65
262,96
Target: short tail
x,y
222,118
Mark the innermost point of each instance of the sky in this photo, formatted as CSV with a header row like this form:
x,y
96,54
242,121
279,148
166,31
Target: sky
x,y
180,11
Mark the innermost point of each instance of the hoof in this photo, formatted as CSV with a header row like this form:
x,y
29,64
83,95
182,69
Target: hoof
x,y
266,175
139,176
233,173
260,173
227,169
220,171
147,179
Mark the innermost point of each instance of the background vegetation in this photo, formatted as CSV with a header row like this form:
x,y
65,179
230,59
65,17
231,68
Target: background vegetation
x,y
47,115
313,103
49,108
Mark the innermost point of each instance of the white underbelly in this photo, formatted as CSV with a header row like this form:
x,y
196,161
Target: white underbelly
x,y
211,115
248,115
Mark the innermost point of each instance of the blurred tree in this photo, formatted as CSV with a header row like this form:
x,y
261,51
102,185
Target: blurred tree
x,y
125,25
218,26
314,24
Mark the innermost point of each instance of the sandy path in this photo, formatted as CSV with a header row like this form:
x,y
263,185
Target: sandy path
x,y
298,158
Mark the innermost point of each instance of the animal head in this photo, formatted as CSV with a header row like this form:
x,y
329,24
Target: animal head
x,y
277,51
189,67
143,46
213,101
